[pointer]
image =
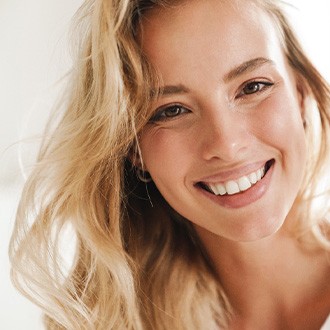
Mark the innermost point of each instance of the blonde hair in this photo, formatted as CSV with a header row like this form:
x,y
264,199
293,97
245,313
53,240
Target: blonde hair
x,y
134,263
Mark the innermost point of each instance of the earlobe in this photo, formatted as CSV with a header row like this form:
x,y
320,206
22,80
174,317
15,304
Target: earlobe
x,y
135,157
143,176
301,95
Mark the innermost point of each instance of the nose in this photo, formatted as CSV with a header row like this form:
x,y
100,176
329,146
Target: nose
x,y
225,135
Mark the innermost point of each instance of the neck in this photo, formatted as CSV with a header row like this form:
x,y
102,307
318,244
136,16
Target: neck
x,y
273,274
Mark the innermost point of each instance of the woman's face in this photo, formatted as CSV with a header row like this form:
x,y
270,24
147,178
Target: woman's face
x,y
225,145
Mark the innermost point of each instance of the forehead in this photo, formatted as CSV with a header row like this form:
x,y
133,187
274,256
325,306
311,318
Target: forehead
x,y
194,31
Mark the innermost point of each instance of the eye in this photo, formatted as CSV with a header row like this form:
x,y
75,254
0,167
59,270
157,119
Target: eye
x,y
254,87
169,112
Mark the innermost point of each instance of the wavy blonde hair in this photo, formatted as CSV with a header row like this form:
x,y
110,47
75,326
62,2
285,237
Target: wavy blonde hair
x,y
93,246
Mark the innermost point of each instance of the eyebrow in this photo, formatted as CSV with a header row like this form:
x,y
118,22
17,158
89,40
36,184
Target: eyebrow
x,y
245,67
178,89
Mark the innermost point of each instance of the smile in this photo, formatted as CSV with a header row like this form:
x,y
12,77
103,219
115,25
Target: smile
x,y
241,184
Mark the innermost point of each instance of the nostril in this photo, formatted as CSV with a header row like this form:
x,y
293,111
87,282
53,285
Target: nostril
x,y
226,151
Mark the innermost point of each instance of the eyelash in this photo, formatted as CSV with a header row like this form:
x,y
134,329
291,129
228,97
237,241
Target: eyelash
x,y
266,85
160,114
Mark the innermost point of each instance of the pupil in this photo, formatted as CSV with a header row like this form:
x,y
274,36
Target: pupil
x,y
251,88
171,112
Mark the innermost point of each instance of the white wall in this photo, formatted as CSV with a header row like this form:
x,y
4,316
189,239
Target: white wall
x,y
33,55
311,20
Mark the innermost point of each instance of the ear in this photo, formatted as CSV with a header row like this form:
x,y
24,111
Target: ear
x,y
302,93
135,157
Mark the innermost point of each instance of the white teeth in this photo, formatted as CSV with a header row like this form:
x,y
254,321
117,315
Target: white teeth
x,y
253,177
232,187
221,189
214,188
218,189
258,175
241,184
244,183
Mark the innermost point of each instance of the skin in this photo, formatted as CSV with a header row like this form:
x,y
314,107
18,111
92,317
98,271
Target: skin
x,y
222,135
217,131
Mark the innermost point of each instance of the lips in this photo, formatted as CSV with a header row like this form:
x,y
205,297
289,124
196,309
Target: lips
x,y
243,183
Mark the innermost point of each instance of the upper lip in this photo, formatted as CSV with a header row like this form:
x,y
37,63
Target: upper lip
x,y
234,173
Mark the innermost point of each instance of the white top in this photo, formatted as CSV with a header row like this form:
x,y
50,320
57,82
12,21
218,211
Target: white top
x,y
326,325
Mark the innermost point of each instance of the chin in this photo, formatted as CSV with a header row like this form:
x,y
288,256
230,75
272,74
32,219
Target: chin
x,y
257,229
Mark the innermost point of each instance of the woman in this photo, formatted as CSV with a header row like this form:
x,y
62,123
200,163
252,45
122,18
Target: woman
x,y
187,166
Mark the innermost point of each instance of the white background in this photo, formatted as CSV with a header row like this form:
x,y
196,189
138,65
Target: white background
x,y
33,57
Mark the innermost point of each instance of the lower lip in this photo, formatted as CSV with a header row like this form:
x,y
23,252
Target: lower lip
x,y
243,198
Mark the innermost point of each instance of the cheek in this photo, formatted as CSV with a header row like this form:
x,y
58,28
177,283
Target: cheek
x,y
164,153
284,131
282,125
